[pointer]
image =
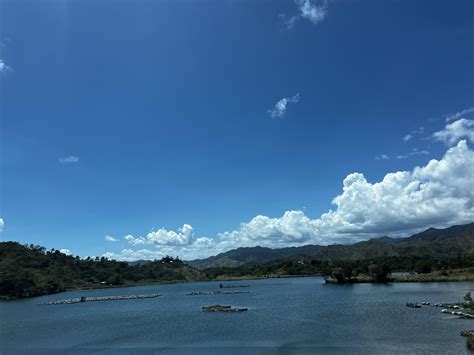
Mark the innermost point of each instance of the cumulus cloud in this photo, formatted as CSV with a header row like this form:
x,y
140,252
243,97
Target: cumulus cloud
x,y
460,114
279,109
204,242
290,229
135,241
407,137
110,238
438,194
200,248
453,132
164,237
65,251
68,160
1,224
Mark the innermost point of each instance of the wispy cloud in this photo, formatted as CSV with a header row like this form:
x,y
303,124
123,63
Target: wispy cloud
x,y
460,114
4,67
413,134
2,223
68,160
312,10
279,109
382,157
289,22
415,151
110,238
455,131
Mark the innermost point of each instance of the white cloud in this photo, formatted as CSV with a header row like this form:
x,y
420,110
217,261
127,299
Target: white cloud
x,y
164,237
4,67
279,109
204,242
2,223
382,157
312,10
65,251
69,159
460,114
413,134
135,241
202,247
453,132
110,238
415,151
289,22
290,229
439,194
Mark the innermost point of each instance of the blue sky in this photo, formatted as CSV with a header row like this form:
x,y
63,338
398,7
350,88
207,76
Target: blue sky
x,y
241,119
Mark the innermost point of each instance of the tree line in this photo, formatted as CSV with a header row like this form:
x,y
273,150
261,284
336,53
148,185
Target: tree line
x,y
31,270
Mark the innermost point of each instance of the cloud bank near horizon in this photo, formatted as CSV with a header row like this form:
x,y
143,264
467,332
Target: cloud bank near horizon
x,y
439,194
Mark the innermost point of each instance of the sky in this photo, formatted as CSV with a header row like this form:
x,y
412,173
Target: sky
x,y
138,129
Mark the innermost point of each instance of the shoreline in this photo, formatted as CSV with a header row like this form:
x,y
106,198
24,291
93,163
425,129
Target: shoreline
x,y
399,279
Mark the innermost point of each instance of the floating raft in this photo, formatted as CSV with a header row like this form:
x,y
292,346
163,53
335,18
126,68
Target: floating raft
x,y
201,293
454,309
102,298
220,308
232,286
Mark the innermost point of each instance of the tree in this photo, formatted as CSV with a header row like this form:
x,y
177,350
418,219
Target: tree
x,y
339,274
423,267
380,272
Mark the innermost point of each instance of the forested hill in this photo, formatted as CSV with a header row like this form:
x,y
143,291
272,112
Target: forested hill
x,y
30,270
432,243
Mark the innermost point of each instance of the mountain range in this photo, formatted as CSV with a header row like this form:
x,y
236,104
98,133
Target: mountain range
x,y
436,243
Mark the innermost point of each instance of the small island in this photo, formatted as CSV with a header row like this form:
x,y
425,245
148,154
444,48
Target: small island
x,y
220,308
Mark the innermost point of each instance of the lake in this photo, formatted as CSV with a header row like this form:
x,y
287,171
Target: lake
x,y
286,316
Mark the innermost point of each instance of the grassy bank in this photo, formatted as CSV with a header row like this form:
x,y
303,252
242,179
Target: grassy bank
x,y
438,276
459,275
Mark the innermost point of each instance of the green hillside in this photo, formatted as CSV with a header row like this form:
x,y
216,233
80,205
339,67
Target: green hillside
x,y
29,270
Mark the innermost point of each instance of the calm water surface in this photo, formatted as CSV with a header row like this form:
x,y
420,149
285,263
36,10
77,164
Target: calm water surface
x,y
286,316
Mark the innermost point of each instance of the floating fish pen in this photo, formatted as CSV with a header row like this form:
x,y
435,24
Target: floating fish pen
x,y
220,308
102,298
210,293
232,286
454,309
